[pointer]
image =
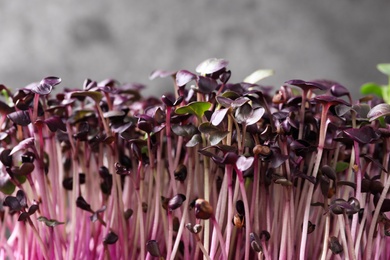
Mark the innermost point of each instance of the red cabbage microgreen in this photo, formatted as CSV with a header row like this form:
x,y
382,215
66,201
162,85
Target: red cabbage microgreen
x,y
213,170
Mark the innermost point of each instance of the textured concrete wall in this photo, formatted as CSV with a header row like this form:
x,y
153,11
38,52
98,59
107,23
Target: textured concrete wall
x,y
341,40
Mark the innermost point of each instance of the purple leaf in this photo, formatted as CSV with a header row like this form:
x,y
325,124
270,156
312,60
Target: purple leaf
x,y
364,135
152,248
161,74
25,144
5,109
20,118
218,116
244,163
207,85
338,90
52,81
54,123
378,111
13,203
5,157
183,77
176,201
211,65
330,99
82,204
110,238
256,115
305,85
42,89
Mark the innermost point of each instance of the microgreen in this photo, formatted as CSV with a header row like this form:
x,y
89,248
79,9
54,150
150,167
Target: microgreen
x,y
213,170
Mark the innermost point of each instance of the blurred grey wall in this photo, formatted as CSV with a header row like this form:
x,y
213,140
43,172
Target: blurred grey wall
x,y
342,40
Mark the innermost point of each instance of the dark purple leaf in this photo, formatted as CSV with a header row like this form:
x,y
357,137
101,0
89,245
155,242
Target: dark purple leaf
x,y
240,207
324,185
210,66
335,246
364,135
13,203
176,201
54,123
330,100
5,157
277,158
5,109
206,85
33,208
375,162
23,216
82,204
338,206
329,172
20,118
180,173
152,248
225,76
338,90
128,213
229,158
183,77
110,238
305,85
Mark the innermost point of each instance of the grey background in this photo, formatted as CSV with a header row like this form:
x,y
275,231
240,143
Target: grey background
x,y
342,40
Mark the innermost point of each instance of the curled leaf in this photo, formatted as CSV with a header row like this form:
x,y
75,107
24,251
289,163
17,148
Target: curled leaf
x,y
49,222
378,111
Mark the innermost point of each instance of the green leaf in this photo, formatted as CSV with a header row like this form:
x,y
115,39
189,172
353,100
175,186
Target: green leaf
x,y
384,68
371,88
258,75
194,108
6,186
50,222
341,166
95,95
